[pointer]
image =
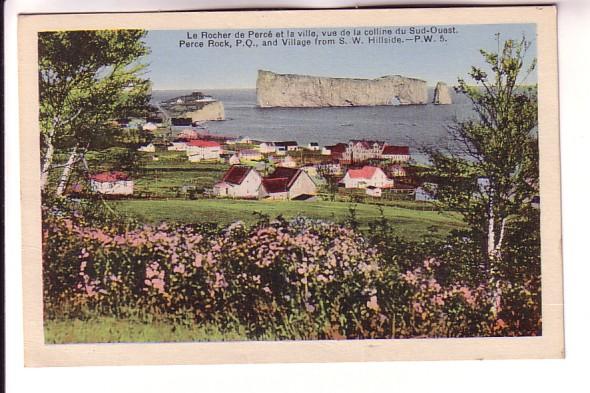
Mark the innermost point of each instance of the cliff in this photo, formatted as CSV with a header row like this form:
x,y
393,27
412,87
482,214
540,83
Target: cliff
x,y
208,111
442,95
302,91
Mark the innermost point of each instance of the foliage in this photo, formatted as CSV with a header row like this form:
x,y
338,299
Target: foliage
x,y
492,174
88,79
278,279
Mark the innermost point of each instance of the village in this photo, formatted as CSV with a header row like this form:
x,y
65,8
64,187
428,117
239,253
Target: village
x,y
273,170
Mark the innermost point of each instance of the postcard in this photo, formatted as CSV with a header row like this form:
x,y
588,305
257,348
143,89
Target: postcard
x,y
290,186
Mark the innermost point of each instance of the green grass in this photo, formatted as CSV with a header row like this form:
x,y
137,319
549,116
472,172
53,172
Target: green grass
x,y
406,222
113,330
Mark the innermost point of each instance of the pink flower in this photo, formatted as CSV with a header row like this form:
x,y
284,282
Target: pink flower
x,y
372,303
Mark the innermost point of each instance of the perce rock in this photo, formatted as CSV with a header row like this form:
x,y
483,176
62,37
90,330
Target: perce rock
x,y
302,91
442,95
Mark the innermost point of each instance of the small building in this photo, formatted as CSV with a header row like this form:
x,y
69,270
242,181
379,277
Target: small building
x,y
250,155
150,127
149,148
240,182
396,153
365,177
178,145
234,160
267,147
326,151
374,191
287,146
198,150
314,146
287,162
111,183
426,192
289,183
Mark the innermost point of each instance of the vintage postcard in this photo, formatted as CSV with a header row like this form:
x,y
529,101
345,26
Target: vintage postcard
x,y
290,186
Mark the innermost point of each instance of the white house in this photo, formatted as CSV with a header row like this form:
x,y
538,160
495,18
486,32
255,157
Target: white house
x,y
326,151
150,148
111,183
365,177
289,183
267,147
287,146
240,182
198,150
313,146
250,155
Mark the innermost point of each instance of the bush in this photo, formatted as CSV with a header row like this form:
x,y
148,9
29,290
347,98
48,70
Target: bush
x,y
279,279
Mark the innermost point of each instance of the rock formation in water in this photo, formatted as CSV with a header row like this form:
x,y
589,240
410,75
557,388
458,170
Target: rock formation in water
x,y
442,94
208,111
196,106
302,91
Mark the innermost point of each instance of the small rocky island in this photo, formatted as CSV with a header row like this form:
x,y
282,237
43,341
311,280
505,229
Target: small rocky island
x,y
196,106
304,91
442,94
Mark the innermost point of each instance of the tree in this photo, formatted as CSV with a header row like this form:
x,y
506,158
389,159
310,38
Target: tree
x,y
87,79
490,171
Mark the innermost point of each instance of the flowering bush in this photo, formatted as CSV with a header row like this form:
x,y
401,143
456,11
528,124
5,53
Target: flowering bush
x,y
297,279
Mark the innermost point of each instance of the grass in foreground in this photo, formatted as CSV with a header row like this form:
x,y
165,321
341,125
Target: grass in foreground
x,y
408,223
113,330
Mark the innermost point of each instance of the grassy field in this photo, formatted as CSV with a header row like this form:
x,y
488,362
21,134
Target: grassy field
x,y
111,330
407,222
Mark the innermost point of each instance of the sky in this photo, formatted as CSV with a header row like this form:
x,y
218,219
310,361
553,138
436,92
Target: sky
x,y
171,67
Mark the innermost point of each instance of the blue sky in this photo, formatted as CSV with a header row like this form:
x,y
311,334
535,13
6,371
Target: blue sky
x,y
172,67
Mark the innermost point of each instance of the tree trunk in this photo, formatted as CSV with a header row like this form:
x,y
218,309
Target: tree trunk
x,y
65,176
491,230
47,161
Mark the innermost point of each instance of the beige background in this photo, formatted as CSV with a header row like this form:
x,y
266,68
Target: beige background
x,y
549,345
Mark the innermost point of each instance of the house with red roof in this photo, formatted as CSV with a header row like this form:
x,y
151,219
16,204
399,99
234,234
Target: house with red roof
x,y
198,150
289,183
240,181
396,153
365,177
111,183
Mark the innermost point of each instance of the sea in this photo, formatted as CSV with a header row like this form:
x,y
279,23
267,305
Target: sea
x,y
410,125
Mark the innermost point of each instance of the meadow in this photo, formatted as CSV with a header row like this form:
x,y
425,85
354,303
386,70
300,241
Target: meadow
x,y
406,222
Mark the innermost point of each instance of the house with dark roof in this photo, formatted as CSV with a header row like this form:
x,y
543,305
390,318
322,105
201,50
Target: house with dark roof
x,y
286,146
111,183
240,181
396,153
366,176
289,183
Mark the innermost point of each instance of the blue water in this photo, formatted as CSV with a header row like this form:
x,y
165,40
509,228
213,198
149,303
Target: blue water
x,y
412,125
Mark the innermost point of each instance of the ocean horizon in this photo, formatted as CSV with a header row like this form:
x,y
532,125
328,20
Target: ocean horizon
x,y
415,126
